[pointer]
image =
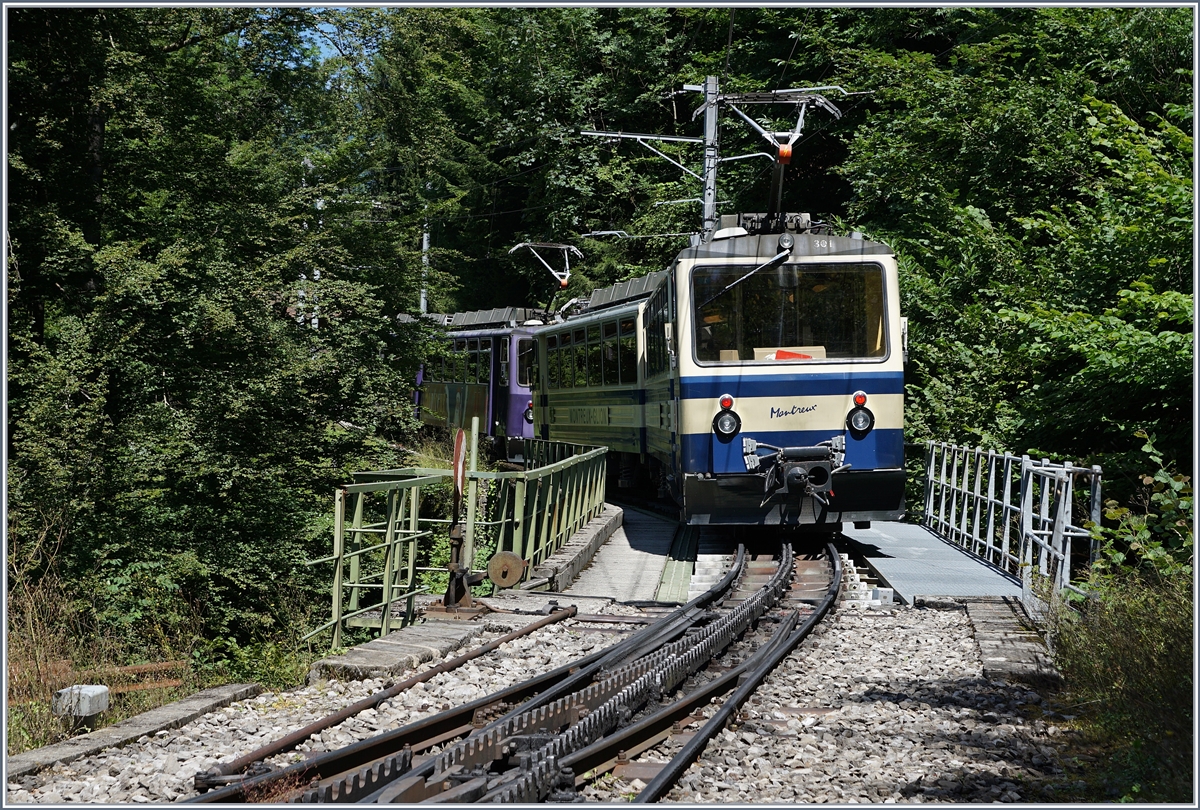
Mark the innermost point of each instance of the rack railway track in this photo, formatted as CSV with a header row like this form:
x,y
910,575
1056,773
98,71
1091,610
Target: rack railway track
x,y
540,739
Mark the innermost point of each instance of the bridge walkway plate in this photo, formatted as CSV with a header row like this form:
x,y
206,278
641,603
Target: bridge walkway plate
x,y
913,561
629,565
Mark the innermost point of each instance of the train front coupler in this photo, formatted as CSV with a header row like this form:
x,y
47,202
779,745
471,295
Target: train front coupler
x,y
804,470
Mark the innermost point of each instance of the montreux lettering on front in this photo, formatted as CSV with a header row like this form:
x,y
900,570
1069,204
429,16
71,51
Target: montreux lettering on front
x,y
792,411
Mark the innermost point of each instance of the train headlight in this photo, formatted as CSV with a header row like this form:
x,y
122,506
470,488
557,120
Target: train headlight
x,y
860,421
727,424
529,412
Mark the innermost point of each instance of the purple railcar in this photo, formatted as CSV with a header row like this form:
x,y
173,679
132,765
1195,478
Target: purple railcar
x,y
485,371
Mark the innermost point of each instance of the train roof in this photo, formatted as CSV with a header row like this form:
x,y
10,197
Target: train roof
x,y
742,236
767,245
631,290
500,318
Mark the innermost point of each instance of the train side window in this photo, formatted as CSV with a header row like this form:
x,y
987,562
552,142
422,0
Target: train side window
x,y
552,362
441,362
472,360
504,362
612,374
566,367
657,362
460,361
525,362
581,375
628,351
485,360
593,355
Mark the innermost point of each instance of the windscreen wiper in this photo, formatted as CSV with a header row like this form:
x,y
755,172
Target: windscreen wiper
x,y
773,260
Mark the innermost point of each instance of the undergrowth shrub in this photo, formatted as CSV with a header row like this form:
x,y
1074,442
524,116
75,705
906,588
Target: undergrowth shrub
x,y
61,633
1126,648
54,641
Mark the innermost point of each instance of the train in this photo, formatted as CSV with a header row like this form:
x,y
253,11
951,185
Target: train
x,y
759,380
485,369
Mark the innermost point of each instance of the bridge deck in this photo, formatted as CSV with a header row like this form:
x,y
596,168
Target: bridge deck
x,y
630,565
914,561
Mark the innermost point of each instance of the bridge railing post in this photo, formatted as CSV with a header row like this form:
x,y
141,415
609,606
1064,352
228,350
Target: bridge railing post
x,y
390,563
990,546
1026,536
942,486
472,497
929,457
1009,514
339,525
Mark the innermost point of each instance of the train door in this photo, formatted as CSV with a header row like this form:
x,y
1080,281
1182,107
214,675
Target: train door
x,y
524,383
498,388
662,389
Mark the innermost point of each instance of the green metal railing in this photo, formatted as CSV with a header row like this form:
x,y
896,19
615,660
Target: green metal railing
x,y
377,551
561,489
378,526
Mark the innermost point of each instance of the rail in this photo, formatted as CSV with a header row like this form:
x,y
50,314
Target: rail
x,y
380,535
1015,512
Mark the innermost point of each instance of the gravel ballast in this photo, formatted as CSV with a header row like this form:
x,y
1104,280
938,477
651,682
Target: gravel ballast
x,y
160,768
876,706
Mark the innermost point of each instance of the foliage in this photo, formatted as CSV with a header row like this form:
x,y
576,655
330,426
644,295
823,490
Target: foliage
x,y
178,179
1126,649
1156,541
1127,656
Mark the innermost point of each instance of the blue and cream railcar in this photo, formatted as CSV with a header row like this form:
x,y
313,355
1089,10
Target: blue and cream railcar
x,y
782,355
590,378
486,370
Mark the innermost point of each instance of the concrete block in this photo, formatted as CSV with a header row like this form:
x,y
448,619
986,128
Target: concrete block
x,y
884,595
80,700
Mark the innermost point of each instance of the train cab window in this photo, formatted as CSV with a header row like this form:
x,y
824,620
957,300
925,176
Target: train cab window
x,y
580,342
593,355
793,313
628,351
608,358
503,362
552,361
525,361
